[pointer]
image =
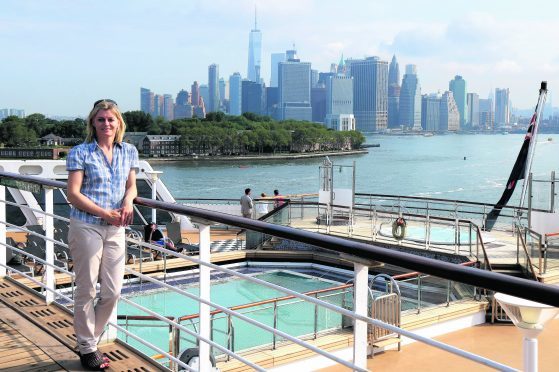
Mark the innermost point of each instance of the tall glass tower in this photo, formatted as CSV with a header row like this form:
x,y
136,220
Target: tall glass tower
x,y
213,88
458,88
393,93
410,99
254,53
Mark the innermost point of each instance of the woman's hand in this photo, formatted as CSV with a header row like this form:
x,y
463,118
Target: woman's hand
x,y
113,217
126,214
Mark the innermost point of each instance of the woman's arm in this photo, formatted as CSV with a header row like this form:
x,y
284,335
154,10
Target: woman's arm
x,y
127,208
82,202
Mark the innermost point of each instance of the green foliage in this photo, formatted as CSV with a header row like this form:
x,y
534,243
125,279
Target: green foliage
x,y
217,134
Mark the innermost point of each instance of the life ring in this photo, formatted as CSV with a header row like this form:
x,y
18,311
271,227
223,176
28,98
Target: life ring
x,y
399,228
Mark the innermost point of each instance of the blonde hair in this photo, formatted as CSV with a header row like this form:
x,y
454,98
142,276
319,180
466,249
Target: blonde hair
x,y
105,105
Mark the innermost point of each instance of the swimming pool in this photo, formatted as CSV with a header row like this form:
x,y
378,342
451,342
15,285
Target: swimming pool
x,y
294,317
438,234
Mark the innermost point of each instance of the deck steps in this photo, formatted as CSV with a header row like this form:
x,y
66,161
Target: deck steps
x,y
58,322
510,269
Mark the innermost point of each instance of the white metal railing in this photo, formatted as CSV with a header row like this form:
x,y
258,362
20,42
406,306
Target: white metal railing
x,y
359,316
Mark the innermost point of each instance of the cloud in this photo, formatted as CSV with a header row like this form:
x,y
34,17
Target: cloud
x,y
507,66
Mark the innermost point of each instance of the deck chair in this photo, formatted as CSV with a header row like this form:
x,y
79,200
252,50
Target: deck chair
x,y
174,234
36,246
61,229
135,252
14,259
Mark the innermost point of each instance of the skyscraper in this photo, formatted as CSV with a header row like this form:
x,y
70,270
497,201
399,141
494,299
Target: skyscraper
x,y
223,89
204,96
294,78
157,105
410,99
252,97
183,97
458,88
339,103
146,101
314,78
168,107
318,103
502,107
235,94
449,115
276,59
195,94
183,106
370,94
472,102
486,114
393,93
213,88
431,112
254,52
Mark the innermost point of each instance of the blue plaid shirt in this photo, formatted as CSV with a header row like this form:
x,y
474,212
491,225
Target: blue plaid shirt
x,y
103,183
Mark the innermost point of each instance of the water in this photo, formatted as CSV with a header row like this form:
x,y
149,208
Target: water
x,y
294,317
403,165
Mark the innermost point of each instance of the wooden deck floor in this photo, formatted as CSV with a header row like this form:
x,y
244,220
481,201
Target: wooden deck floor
x,y
39,337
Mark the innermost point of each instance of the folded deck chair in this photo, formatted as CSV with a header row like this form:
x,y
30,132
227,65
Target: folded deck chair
x,y
174,234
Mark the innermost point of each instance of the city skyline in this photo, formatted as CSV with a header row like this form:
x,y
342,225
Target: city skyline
x,y
58,48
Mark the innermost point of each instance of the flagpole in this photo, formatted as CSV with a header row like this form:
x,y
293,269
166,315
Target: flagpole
x,y
538,112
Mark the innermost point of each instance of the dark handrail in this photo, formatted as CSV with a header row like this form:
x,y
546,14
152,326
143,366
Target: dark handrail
x,y
490,280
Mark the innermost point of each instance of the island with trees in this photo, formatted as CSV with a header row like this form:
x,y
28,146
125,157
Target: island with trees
x,y
216,135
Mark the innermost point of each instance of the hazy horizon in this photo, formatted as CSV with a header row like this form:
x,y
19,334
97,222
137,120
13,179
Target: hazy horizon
x,y
60,56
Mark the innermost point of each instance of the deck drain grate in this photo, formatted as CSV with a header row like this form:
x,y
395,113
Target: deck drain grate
x,y
12,294
26,303
42,313
117,355
60,324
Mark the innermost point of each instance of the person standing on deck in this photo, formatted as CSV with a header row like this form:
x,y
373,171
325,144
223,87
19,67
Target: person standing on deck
x,y
278,199
246,204
101,188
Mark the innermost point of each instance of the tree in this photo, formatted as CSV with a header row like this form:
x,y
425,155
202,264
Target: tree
x,y
137,121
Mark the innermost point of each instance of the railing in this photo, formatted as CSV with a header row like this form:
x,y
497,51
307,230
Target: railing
x,y
358,252
459,209
375,224
537,252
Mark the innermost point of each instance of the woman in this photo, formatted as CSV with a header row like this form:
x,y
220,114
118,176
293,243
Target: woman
x,y
101,188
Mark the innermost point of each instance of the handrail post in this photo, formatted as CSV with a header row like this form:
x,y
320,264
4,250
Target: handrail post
x,y
229,335
316,318
3,249
177,339
419,293
172,350
470,237
552,196
49,245
274,337
360,306
448,285
204,285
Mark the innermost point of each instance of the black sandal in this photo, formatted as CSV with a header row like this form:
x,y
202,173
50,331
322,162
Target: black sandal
x,y
94,361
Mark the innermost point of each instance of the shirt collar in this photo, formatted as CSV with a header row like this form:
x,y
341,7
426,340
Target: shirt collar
x,y
93,144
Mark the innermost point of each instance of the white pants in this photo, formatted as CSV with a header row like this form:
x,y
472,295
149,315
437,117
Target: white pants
x,y
98,255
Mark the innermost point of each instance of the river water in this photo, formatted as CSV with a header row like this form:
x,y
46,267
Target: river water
x,y
461,167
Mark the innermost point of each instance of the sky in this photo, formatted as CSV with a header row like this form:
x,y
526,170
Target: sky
x,y
59,56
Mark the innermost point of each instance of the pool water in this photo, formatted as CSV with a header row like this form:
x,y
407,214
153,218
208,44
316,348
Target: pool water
x,y
294,317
